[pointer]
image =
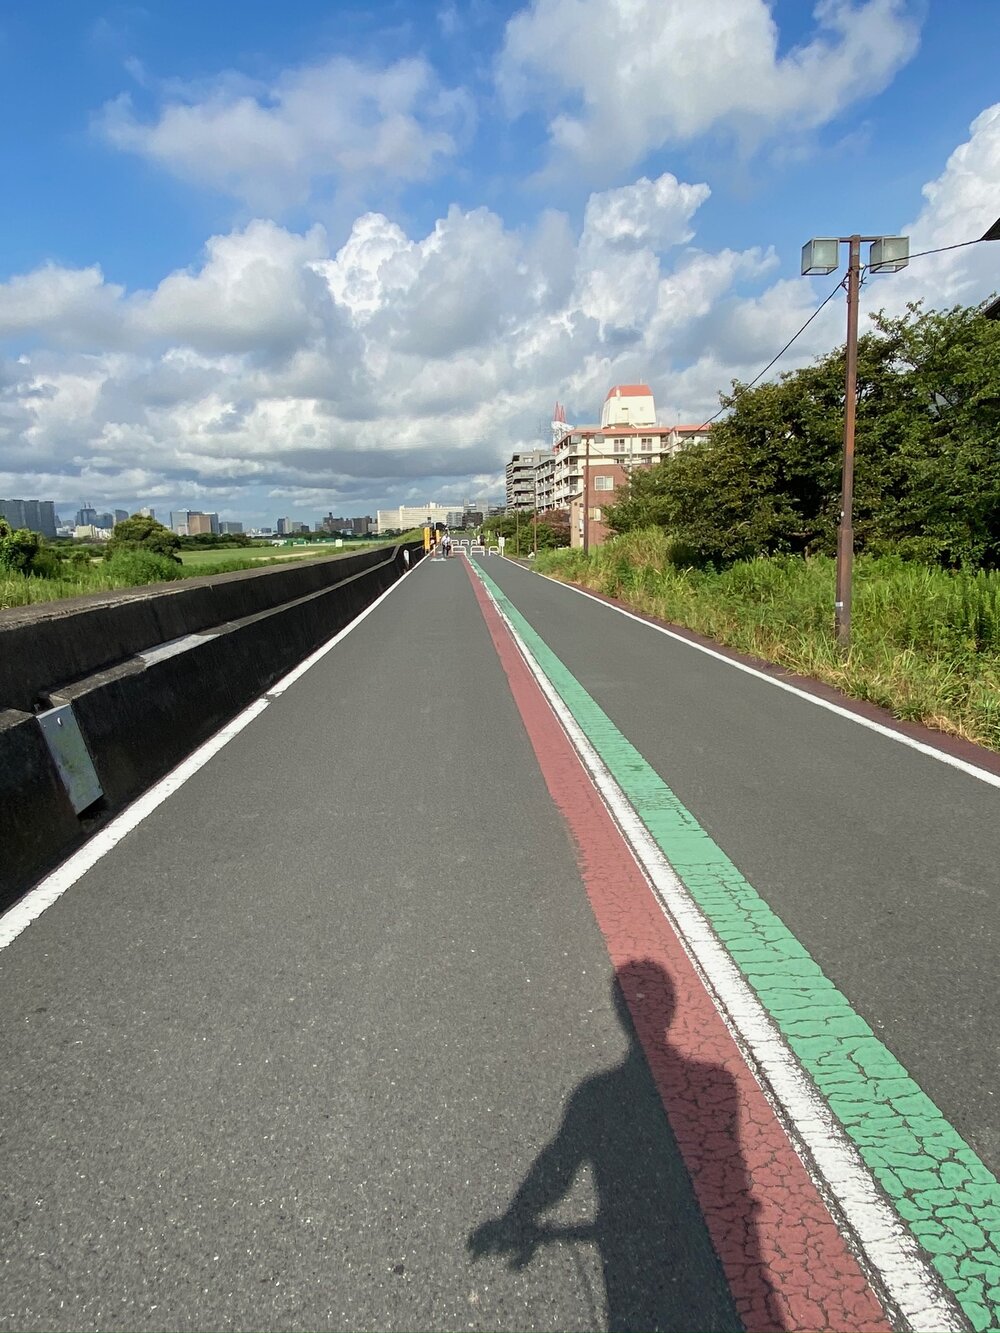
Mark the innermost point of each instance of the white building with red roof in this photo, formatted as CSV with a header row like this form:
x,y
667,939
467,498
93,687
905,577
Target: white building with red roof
x,y
629,405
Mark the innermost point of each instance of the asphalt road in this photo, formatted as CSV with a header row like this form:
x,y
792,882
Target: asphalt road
x,y
280,1053
882,861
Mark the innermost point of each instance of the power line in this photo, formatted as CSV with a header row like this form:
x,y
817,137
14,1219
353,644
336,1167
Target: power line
x,y
780,354
941,248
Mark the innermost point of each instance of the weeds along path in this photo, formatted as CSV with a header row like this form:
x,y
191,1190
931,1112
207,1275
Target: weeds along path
x,y
925,644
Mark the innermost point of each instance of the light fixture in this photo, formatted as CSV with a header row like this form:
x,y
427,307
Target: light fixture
x,y
820,255
889,254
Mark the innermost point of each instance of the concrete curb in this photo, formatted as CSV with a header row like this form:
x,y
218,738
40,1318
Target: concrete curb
x,y
45,645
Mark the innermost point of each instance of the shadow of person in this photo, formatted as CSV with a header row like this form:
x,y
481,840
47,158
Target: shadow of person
x,y
660,1269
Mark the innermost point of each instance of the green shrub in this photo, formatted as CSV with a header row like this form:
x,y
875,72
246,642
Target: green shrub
x,y
18,548
131,568
47,564
140,533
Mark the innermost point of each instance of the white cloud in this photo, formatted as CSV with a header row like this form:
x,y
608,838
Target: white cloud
x,y
654,214
255,291
960,205
65,305
619,78
314,128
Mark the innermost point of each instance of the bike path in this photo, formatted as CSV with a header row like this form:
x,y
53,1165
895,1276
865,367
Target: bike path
x,y
279,1057
776,782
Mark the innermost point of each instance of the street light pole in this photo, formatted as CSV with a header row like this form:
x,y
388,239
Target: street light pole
x,y
822,255
845,532
586,497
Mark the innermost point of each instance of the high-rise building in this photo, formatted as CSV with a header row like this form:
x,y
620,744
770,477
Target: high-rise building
x,y
357,526
283,527
230,528
86,516
121,515
13,512
105,519
179,522
36,515
47,521
200,524
147,512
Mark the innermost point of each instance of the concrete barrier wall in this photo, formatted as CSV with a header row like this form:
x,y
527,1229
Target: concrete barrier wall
x,y
140,717
44,646
36,818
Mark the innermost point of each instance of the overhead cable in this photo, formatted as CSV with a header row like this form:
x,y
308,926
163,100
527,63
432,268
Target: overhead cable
x,y
780,354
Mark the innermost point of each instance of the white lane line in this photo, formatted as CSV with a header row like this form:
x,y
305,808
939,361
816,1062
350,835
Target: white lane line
x,y
324,648
889,1250
963,766
17,918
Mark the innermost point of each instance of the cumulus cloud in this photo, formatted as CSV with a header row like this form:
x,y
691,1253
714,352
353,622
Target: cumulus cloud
x,y
61,304
960,205
277,145
647,214
619,78
255,291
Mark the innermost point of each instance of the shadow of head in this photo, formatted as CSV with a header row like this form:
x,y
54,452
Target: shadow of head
x,y
642,988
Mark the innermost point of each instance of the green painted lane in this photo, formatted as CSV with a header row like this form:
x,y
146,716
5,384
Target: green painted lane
x,y
939,1187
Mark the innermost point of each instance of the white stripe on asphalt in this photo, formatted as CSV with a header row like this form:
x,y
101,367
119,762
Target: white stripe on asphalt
x,y
963,766
887,1247
17,918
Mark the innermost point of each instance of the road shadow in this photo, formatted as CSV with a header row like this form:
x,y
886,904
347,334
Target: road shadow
x,y
660,1269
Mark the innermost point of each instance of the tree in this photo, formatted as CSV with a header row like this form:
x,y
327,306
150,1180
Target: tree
x,y
140,533
946,498
927,469
18,548
519,533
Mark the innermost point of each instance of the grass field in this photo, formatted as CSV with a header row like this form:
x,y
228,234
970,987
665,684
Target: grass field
x,y
205,561
925,642
135,569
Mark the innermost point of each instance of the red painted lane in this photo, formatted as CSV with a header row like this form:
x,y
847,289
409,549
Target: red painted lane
x,y
786,1263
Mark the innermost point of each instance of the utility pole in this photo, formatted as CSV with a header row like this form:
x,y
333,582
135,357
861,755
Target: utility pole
x,y
586,497
845,532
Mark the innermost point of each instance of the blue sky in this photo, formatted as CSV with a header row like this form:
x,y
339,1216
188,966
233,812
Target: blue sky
x,y
281,259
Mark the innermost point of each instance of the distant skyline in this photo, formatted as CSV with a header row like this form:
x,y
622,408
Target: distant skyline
x,y
267,260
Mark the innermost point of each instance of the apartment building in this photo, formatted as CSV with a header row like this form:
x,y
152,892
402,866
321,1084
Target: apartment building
x,y
545,481
629,446
521,478
627,438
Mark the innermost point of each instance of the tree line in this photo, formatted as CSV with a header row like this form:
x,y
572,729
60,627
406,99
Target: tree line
x,y
927,470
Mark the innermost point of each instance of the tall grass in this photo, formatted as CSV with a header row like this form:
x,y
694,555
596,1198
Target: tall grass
x,y
925,643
